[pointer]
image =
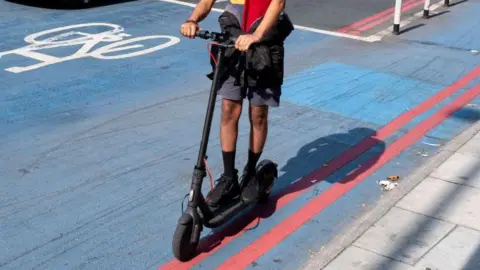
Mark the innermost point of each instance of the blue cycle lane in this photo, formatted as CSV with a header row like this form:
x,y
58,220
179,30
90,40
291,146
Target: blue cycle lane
x,y
97,154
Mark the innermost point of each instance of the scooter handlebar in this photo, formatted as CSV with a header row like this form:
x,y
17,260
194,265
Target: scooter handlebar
x,y
215,36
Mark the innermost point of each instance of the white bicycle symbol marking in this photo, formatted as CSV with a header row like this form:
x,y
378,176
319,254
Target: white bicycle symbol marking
x,y
71,35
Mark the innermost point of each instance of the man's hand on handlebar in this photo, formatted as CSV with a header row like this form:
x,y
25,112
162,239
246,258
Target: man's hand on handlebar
x,y
189,29
244,42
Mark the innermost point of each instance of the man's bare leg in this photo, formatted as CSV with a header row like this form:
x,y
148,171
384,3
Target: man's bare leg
x,y
227,187
231,111
258,116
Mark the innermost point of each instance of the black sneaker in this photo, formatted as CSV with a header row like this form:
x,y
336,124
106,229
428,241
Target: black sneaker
x,y
225,190
250,186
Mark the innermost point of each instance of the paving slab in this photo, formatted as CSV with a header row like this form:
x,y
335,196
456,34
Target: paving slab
x,y
357,258
444,200
459,250
460,168
403,235
472,147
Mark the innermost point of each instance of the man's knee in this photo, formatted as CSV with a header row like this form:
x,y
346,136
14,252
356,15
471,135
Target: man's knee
x,y
231,111
259,116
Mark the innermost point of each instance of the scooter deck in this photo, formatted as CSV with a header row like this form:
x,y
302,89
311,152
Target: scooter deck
x,y
266,171
223,213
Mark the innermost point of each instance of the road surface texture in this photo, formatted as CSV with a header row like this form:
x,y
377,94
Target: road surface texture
x,y
102,110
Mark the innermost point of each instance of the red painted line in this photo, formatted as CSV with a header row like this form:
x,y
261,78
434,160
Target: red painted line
x,y
312,208
212,243
374,17
377,22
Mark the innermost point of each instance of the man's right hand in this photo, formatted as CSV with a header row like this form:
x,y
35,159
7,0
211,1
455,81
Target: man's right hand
x,y
189,29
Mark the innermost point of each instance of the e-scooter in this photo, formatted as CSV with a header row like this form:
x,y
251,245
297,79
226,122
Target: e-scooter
x,y
198,213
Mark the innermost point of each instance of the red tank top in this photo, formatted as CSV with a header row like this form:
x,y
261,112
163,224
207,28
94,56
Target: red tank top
x,y
254,10
251,10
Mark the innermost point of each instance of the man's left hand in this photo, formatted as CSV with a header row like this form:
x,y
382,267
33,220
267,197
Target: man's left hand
x,y
244,42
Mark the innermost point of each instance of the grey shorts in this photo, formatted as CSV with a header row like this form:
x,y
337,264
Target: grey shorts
x,y
256,95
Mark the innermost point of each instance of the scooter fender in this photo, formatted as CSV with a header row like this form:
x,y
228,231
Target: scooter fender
x,y
185,219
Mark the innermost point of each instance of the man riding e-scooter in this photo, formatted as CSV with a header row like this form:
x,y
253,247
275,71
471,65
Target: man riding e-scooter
x,y
261,27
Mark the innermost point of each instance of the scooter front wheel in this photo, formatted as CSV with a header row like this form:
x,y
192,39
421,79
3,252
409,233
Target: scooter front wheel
x,y
183,249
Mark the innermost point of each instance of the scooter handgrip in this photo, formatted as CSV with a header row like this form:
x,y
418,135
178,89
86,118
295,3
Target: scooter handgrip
x,y
203,34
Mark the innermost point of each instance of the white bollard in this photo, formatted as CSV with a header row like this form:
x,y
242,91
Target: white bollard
x,y
426,9
396,19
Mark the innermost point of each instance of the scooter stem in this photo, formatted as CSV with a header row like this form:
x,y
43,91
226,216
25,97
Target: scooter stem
x,y
210,109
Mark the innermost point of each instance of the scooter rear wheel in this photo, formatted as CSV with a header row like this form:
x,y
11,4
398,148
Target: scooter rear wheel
x,y
183,249
267,174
